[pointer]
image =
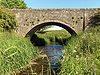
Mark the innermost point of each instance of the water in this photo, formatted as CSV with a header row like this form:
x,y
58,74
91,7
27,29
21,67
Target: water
x,y
40,65
54,53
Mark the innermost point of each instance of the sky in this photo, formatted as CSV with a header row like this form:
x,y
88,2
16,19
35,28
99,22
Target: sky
x,y
63,3
55,28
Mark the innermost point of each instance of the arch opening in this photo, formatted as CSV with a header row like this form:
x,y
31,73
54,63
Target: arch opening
x,y
60,24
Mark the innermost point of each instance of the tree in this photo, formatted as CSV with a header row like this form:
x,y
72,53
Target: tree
x,y
7,20
19,4
95,20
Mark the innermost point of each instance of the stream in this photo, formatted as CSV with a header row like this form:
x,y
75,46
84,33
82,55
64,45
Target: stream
x,y
54,53
47,63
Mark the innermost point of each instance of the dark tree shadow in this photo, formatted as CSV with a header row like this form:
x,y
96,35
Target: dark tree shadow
x,y
95,20
36,41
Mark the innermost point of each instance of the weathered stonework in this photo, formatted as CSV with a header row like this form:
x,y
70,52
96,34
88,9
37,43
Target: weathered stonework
x,y
76,19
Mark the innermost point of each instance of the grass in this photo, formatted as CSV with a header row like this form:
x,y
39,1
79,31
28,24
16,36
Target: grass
x,y
51,34
82,54
15,52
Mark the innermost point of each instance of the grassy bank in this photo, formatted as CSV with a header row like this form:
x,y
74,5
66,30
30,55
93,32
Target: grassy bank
x,y
52,34
82,54
15,52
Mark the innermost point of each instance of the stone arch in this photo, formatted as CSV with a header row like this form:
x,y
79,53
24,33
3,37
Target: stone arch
x,y
52,22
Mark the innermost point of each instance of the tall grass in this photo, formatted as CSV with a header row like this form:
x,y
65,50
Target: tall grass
x,y
15,53
82,54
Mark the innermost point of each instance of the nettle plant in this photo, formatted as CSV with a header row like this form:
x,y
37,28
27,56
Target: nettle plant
x,y
7,20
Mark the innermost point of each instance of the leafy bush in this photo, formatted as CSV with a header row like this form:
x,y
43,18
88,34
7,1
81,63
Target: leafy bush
x,y
15,53
19,4
7,20
82,54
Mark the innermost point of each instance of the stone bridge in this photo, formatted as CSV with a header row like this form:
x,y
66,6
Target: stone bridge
x,y
73,20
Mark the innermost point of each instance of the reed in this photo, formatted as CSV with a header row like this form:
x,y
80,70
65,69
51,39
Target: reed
x,y
15,52
82,54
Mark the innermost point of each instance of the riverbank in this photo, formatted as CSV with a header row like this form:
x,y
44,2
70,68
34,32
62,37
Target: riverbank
x,y
82,54
52,36
15,53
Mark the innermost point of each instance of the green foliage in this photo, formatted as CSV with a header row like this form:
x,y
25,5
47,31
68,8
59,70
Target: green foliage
x,y
82,54
20,4
7,19
95,20
60,34
15,53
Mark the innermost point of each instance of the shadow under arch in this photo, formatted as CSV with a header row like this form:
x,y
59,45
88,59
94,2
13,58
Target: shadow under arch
x,y
51,22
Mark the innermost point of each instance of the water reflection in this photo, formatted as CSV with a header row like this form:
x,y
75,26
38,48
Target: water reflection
x,y
54,53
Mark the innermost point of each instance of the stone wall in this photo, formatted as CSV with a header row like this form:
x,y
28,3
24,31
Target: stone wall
x,y
76,18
